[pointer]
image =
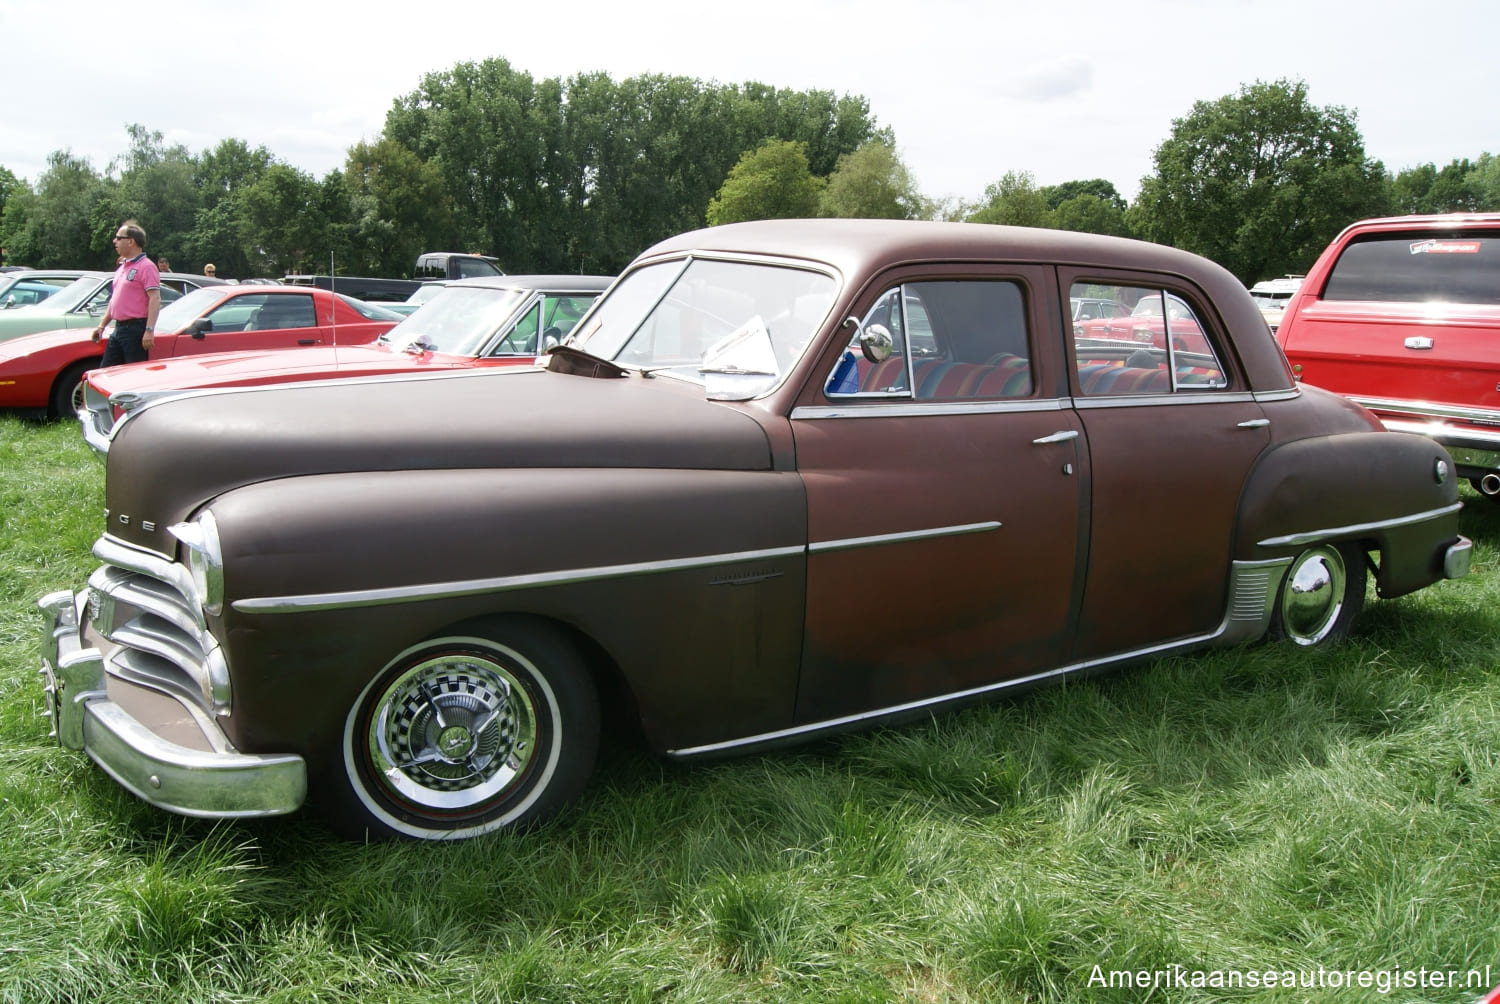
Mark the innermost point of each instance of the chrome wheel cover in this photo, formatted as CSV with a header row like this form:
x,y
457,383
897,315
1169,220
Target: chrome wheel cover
x,y
1313,596
452,734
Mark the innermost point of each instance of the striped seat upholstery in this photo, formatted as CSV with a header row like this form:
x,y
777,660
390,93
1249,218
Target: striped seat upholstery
x,y
1005,375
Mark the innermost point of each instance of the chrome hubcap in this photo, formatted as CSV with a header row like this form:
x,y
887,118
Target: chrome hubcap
x,y
452,733
1314,595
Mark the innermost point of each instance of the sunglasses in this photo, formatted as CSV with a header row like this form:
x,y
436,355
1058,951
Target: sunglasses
x,y
123,237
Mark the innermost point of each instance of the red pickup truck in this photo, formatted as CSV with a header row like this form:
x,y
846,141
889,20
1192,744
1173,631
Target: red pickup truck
x,y
1403,316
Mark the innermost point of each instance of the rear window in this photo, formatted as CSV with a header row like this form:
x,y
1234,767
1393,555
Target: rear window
x,y
1418,268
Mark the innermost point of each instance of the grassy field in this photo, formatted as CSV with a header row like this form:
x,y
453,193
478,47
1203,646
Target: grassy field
x,y
1329,817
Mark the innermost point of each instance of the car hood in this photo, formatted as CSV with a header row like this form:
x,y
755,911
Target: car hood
x,y
171,456
247,368
43,342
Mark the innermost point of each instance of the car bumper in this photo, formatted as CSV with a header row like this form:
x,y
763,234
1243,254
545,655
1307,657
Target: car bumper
x,y
155,745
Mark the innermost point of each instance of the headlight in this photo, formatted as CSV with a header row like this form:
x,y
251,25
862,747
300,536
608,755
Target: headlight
x,y
205,559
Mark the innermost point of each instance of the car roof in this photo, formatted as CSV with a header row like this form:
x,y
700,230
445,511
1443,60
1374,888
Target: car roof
x,y
1435,221
582,283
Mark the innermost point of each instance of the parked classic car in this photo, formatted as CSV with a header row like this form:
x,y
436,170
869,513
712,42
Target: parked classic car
x,y
473,323
81,303
735,509
25,287
1403,316
46,370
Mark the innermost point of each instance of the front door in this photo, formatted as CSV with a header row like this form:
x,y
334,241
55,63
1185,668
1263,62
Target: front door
x,y
943,494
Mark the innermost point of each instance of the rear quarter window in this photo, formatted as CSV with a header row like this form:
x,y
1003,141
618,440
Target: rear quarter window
x,y
1418,268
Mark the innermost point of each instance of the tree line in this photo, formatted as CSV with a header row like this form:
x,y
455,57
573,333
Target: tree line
x,y
580,175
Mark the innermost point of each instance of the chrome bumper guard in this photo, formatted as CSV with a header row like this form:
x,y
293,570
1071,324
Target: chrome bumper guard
x,y
220,784
1456,558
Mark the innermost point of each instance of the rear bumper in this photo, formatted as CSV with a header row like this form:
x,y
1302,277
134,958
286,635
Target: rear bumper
x,y
176,758
1470,435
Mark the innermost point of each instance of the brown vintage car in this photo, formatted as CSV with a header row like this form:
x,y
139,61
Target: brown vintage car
x,y
788,478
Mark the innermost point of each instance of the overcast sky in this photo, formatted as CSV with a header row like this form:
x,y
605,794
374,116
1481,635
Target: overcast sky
x,y
972,89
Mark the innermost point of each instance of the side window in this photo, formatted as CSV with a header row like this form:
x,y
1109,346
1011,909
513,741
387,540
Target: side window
x,y
521,339
1144,340
561,313
234,314
957,340
278,313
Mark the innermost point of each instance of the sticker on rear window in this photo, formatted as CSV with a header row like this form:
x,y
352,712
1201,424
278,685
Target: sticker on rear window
x,y
1445,247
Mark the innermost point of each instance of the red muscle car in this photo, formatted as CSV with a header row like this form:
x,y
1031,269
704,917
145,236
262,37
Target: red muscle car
x,y
471,323
45,370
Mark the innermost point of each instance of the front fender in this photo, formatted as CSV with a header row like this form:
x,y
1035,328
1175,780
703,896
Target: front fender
x,y
692,582
1393,493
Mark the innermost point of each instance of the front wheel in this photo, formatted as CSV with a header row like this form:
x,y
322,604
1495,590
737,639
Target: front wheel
x,y
1322,595
468,733
67,392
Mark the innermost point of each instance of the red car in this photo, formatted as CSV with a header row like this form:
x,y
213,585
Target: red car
x,y
492,321
44,370
1151,318
1403,316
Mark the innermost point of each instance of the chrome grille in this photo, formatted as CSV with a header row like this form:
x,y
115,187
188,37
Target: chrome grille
x,y
144,604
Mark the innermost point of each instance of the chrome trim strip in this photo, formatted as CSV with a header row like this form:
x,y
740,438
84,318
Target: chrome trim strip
x,y
1329,533
354,598
1253,586
1277,395
907,408
849,543
1154,400
1430,409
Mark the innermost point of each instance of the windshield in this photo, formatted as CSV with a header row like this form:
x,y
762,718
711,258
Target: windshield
x,y
458,322
69,296
369,311
702,316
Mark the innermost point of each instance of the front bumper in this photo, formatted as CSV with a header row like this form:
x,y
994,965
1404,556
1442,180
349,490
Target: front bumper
x,y
156,746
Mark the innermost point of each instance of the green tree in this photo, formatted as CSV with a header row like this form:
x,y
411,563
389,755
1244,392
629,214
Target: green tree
x,y
1484,182
872,183
1103,190
283,219
399,207
1014,200
1089,214
222,175
9,185
60,224
1426,189
770,182
158,188
1259,181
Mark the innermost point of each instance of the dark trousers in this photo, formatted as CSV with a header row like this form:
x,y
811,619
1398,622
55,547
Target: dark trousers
x,y
124,345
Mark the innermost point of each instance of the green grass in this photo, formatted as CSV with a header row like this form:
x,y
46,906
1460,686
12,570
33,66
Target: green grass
x,y
1259,808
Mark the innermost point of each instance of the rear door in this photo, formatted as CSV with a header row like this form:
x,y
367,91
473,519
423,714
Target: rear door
x,y
1171,435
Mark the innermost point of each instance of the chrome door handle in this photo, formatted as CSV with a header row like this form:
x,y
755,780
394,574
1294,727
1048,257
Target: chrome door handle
x,y
1056,437
1255,423
1419,342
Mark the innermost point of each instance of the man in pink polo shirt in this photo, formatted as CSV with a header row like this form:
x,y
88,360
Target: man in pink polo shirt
x,y
134,300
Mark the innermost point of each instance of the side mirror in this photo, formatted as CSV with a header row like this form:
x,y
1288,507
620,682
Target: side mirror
x,y
200,327
876,343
